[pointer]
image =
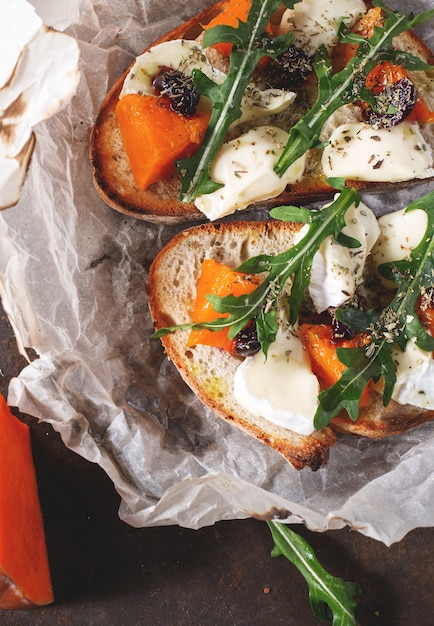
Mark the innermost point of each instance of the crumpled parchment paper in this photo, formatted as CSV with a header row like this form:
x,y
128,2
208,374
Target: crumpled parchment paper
x,y
72,276
38,76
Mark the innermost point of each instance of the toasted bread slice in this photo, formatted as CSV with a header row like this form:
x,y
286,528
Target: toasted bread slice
x,y
159,203
112,175
210,371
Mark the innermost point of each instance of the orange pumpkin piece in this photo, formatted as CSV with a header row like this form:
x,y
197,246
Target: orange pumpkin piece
x,y
218,280
384,74
387,73
321,347
233,12
154,136
24,570
425,310
344,52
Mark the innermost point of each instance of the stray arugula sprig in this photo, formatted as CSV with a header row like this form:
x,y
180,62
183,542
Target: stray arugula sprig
x,y
394,325
348,85
295,264
325,590
250,42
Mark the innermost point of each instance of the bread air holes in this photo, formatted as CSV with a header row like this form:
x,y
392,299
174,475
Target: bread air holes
x,y
177,274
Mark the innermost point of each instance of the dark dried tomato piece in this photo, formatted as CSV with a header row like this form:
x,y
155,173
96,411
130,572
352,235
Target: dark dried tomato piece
x,y
246,343
341,332
290,69
392,105
179,89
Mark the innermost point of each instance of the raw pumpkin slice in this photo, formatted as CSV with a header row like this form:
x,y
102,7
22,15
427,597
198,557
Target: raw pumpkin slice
x,y
154,136
25,579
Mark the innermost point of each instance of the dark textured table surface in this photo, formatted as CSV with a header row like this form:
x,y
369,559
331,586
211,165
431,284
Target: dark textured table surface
x,y
106,573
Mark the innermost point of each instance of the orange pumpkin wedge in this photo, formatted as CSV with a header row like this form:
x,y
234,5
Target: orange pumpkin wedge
x,y
154,136
233,12
344,52
218,280
321,347
387,73
24,570
425,310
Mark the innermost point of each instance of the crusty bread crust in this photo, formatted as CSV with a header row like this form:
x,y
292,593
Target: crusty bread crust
x,y
159,203
376,421
210,372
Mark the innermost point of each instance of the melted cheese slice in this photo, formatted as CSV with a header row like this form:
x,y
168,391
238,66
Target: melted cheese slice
x,y
400,232
281,388
415,376
245,166
357,151
316,23
337,270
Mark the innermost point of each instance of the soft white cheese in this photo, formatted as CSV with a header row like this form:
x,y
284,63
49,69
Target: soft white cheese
x,y
337,270
357,151
257,103
415,376
245,166
281,388
400,232
316,23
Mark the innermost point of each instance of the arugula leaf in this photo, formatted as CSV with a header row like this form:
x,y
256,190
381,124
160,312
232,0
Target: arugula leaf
x,y
325,590
295,264
250,43
394,325
346,86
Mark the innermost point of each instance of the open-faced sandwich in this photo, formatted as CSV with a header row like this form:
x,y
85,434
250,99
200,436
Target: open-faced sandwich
x,y
316,321
259,102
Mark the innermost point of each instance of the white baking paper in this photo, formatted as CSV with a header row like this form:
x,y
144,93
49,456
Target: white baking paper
x,y
73,275
38,76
